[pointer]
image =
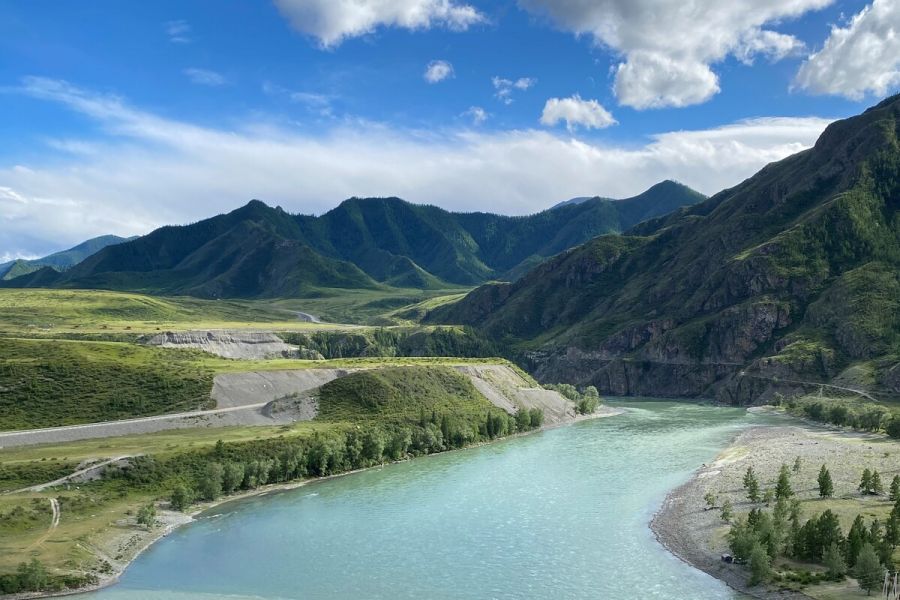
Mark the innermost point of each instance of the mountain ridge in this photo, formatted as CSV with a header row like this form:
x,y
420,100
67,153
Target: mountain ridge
x,y
61,260
790,275
361,243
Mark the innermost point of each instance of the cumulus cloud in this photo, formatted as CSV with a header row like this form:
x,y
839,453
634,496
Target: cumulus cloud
x,y
576,112
669,46
178,31
438,70
477,114
205,77
145,170
333,21
861,58
504,88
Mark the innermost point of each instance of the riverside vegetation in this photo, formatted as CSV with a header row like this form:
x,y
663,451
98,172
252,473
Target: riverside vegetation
x,y
365,418
866,551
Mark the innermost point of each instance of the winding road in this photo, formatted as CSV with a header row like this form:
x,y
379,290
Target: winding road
x,y
69,433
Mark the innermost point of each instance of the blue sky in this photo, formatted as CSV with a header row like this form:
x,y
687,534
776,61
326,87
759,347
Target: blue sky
x,y
122,116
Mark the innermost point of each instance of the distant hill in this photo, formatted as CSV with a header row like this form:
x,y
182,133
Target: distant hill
x,y
259,251
59,261
577,200
789,278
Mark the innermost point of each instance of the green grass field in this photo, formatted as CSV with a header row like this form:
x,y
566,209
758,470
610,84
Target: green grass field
x,y
44,312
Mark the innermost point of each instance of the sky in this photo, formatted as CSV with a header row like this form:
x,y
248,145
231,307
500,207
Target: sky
x,y
122,116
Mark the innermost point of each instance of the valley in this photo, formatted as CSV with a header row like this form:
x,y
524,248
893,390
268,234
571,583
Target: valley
x,y
258,351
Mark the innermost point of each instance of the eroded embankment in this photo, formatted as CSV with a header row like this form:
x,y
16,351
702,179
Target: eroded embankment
x,y
279,397
244,345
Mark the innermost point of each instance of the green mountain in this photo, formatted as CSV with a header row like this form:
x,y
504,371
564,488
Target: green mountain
x,y
259,251
59,261
791,277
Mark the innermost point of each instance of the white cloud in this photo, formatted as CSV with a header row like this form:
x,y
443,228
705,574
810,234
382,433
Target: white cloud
x,y
669,46
146,170
862,58
205,77
504,88
576,112
438,70
178,31
477,114
333,21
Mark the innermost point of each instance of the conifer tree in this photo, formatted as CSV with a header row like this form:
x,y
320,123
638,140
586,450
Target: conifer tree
x,y
865,483
895,488
826,485
783,487
868,570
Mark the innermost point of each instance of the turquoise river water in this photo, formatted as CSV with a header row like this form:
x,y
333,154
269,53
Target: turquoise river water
x,y
559,514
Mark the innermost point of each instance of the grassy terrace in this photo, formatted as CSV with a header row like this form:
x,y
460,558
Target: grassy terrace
x,y
413,407
106,313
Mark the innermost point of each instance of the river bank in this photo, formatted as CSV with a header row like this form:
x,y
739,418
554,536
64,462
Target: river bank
x,y
125,541
697,535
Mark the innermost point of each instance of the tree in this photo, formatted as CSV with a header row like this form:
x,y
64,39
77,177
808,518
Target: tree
x,y
727,511
210,486
181,498
33,576
751,484
798,464
877,487
783,487
895,489
232,477
710,500
826,486
760,564
865,483
147,515
834,562
857,537
868,570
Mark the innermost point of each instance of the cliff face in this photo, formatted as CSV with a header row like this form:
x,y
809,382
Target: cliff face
x,y
785,280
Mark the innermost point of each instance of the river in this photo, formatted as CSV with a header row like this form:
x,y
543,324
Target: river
x,y
558,514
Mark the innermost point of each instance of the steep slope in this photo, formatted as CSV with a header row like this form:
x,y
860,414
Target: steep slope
x,y
249,252
792,275
363,243
60,261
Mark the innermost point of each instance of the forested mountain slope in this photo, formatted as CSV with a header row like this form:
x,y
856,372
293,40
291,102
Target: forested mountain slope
x,y
259,251
792,275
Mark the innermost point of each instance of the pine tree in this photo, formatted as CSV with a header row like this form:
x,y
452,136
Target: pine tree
x,y
865,483
760,565
826,486
727,512
877,487
710,500
798,464
834,562
895,488
857,537
868,570
783,487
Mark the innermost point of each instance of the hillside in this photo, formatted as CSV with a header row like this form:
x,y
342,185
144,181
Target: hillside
x,y
791,277
59,261
259,251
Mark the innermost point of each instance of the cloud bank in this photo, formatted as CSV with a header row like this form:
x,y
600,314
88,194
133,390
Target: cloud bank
x,y
669,46
862,58
142,170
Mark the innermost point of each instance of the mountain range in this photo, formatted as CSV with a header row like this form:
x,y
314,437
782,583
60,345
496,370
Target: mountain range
x,y
59,261
788,279
260,251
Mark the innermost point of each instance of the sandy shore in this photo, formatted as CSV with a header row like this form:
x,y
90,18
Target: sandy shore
x,y
129,541
697,535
